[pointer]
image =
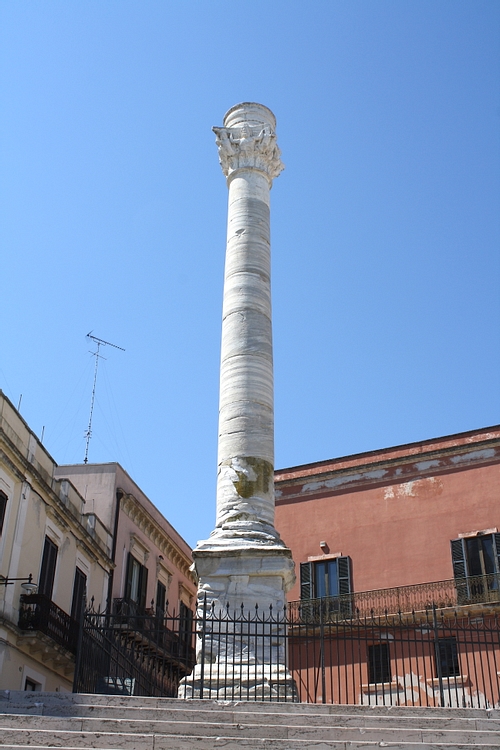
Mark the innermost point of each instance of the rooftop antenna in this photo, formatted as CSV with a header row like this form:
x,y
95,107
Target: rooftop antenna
x,y
99,342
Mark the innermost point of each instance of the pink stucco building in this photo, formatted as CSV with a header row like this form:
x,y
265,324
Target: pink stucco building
x,y
151,559
400,516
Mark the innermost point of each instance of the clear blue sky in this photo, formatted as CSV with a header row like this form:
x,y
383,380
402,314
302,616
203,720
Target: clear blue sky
x,y
385,225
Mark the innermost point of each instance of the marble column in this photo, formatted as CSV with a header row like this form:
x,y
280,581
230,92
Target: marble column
x,y
244,563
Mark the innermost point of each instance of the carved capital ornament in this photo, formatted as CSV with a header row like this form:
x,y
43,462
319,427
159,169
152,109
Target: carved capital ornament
x,y
248,147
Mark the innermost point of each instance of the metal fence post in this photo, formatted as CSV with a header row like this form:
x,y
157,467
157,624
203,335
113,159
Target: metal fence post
x,y
439,668
203,640
78,657
322,653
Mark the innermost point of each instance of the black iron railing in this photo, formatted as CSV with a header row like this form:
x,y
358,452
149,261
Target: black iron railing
x,y
166,630
431,658
434,657
451,593
38,612
133,651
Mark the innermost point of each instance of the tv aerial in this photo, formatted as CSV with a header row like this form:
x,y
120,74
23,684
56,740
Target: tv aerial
x,y
99,343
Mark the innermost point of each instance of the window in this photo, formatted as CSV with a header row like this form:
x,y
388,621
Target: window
x,y
379,663
447,653
325,578
161,599
476,557
3,505
136,582
48,568
327,582
79,591
30,684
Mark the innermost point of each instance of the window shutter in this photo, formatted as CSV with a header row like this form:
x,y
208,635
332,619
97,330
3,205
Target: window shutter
x,y
458,560
128,578
143,584
3,505
306,581
48,568
496,545
345,587
344,575
161,598
79,589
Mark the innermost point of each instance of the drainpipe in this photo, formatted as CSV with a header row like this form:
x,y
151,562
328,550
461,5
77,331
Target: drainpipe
x,y
119,495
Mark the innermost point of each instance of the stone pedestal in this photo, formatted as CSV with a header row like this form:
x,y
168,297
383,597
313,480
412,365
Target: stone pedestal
x,y
244,563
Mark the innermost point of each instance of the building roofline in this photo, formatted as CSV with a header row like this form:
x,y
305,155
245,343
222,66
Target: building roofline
x,y
30,429
114,464
461,438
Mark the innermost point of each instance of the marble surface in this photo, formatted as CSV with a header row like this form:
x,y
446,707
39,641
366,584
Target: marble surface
x,y
244,562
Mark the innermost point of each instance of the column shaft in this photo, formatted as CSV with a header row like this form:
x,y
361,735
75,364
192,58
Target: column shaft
x,y
245,491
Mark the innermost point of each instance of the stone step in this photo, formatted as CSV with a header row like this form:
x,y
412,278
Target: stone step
x,y
94,727
176,742
21,697
223,716
38,702
248,714
121,722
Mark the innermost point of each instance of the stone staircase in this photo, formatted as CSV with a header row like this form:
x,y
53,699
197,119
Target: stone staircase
x,y
67,721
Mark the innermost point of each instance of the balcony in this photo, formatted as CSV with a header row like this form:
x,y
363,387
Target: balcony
x,y
167,634
401,600
39,613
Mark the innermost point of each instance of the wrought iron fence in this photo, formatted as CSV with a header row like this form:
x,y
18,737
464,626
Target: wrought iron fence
x,y
38,612
435,657
431,658
132,652
241,655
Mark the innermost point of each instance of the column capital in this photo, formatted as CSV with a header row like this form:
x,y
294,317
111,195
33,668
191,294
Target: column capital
x,y
248,140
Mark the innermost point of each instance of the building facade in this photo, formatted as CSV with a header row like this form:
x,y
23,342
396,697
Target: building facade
x,y
152,561
398,552
73,537
54,551
401,516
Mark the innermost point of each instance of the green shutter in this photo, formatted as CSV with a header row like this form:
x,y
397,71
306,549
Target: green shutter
x,y
344,575
496,545
459,562
345,587
458,558
306,581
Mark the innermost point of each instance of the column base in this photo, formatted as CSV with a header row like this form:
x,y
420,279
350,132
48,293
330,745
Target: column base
x,y
241,623
253,682
241,573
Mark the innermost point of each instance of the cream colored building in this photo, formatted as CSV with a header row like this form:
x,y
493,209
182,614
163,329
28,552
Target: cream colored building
x,y
48,531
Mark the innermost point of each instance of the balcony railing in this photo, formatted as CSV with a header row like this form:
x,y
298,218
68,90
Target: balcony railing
x,y
455,592
39,613
174,640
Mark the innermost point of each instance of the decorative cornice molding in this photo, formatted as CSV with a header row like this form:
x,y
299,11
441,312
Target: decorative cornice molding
x,y
248,147
26,471
156,534
386,472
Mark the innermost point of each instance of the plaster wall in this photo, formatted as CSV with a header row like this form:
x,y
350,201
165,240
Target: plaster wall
x,y
38,504
397,532
142,530
131,538
96,488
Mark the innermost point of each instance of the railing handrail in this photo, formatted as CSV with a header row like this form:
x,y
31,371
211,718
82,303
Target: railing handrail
x,y
451,592
39,612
